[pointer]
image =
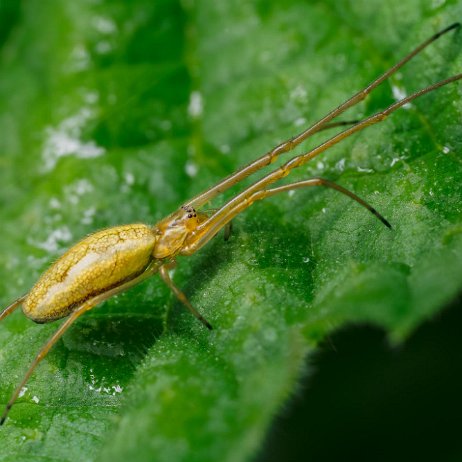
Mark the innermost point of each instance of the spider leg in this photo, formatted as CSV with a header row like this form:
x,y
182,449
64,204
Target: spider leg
x,y
163,272
9,309
206,230
326,183
290,144
195,245
86,306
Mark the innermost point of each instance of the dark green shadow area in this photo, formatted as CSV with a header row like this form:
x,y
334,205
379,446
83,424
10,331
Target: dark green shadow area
x,y
10,11
369,401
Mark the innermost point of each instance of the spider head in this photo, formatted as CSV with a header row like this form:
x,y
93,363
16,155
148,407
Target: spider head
x,y
173,230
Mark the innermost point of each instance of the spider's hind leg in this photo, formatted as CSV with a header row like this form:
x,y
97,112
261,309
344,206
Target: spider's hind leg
x,y
9,309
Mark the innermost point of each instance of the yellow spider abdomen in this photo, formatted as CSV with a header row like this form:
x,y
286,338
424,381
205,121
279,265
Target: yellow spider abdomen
x,y
101,261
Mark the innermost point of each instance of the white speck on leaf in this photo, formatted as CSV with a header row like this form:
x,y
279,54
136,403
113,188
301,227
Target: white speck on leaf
x,y
104,25
196,104
398,94
22,392
364,169
225,148
299,93
191,169
103,47
64,140
51,244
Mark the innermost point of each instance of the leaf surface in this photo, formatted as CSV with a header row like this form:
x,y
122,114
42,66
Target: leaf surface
x,y
118,112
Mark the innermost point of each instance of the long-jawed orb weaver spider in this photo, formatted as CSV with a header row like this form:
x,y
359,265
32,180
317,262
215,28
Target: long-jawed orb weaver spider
x,y
113,260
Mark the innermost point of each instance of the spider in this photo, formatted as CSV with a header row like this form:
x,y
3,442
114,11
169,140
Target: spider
x,y
113,260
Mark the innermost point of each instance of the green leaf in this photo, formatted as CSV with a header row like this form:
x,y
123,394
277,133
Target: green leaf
x,y
118,112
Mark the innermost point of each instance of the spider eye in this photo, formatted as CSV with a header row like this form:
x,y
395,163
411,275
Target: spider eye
x,y
189,215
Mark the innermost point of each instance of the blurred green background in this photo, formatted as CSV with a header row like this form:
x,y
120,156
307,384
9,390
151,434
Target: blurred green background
x,y
114,112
